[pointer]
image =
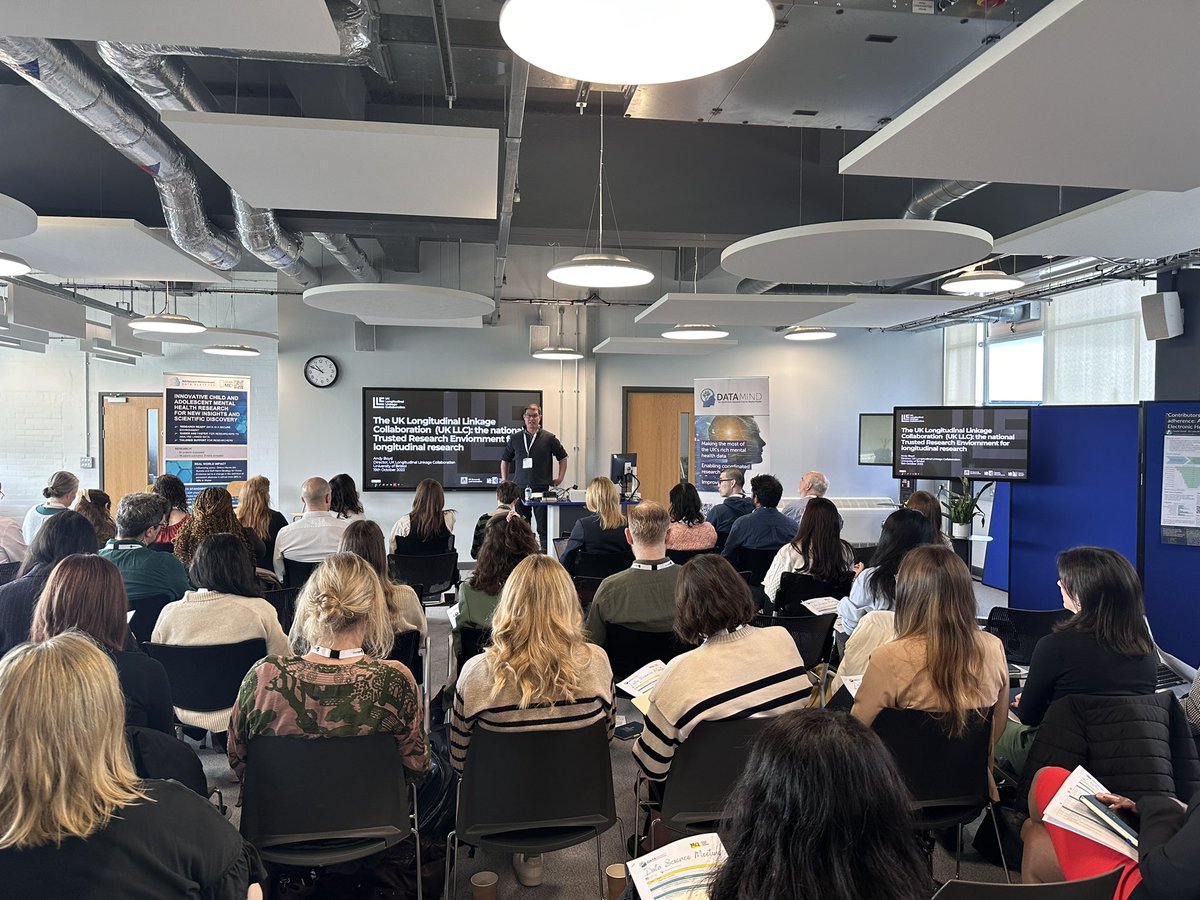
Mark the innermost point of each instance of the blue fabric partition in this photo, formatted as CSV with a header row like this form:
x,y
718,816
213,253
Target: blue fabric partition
x,y
1170,573
995,563
1082,489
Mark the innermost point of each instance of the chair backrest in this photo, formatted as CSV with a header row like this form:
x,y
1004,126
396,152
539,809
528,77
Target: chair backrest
x,y
755,561
1102,887
411,545
162,546
284,601
601,565
796,587
585,588
406,648
145,614
628,649
305,789
1020,629
704,769
296,572
679,557
472,641
428,575
813,634
940,770
158,755
206,678
521,781
8,571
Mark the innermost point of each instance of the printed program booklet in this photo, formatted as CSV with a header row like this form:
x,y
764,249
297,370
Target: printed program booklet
x,y
680,871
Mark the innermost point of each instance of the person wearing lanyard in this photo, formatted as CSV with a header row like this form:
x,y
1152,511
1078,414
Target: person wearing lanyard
x,y
527,456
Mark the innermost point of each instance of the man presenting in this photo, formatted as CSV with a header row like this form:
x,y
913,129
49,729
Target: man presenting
x,y
526,460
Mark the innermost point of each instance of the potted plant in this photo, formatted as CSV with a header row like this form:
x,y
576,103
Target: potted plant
x,y
962,507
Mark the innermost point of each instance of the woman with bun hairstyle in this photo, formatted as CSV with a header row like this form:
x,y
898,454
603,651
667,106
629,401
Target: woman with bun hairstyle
x,y
60,491
96,506
338,684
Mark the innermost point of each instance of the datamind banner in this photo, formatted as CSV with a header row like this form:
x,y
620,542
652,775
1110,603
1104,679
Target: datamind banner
x,y
207,423
733,419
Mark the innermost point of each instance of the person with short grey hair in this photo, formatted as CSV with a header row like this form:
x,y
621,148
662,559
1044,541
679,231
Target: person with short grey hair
x,y
60,491
148,575
316,535
812,484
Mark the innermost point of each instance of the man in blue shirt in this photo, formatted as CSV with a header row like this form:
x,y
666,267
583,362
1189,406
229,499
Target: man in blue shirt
x,y
764,529
736,504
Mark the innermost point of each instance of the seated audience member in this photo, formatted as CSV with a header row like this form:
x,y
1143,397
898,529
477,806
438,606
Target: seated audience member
x,y
365,538
539,671
507,495
60,493
875,586
59,538
817,550
225,608
601,532
212,513
96,506
429,528
344,500
94,829
1190,703
85,592
12,543
255,515
171,489
737,670
148,575
812,484
643,596
1104,648
734,503
340,684
928,506
764,529
689,530
940,661
506,542
315,535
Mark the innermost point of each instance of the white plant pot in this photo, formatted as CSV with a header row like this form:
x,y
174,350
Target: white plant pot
x,y
961,530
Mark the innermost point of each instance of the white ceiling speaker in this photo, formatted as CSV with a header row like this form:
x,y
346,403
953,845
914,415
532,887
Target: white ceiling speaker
x,y
635,41
980,282
808,333
695,332
167,323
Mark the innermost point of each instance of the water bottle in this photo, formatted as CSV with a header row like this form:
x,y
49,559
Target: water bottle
x,y
528,494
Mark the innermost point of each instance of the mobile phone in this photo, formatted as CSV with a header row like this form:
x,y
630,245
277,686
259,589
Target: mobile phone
x,y
628,731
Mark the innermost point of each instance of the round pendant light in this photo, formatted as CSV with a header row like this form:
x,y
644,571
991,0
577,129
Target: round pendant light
x,y
167,323
635,41
232,350
11,266
600,270
979,282
694,332
557,353
808,333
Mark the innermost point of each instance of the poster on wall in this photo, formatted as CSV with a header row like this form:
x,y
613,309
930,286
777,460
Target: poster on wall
x,y
1180,521
206,429
732,427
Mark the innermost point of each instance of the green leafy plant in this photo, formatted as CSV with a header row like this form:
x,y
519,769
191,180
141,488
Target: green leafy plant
x,y
961,506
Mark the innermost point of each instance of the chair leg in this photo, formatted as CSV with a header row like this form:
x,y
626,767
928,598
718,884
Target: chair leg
x,y
451,870
600,869
416,829
999,843
958,854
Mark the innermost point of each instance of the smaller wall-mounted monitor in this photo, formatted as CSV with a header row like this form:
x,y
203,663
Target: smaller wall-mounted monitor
x,y
939,442
875,439
621,464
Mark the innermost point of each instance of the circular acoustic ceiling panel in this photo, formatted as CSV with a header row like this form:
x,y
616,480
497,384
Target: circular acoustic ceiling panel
x,y
398,301
16,219
856,252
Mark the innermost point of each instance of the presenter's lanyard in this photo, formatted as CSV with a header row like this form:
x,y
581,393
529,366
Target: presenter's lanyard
x,y
529,441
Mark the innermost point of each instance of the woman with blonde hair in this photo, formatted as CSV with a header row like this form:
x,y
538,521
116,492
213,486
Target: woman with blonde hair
x,y
604,530
365,538
339,683
212,513
539,672
428,528
60,491
255,515
94,829
96,506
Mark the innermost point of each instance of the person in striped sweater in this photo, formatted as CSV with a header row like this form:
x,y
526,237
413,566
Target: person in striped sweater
x,y
737,671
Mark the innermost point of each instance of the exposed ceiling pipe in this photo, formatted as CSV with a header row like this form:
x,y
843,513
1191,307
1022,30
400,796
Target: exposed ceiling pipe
x,y
931,199
518,88
441,30
60,71
754,286
345,250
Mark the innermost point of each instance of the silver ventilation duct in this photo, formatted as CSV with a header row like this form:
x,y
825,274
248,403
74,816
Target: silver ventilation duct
x,y
345,250
263,236
60,71
931,199
518,89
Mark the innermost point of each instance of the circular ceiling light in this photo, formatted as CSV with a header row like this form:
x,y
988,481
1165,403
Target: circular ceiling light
x,y
982,281
557,353
635,41
600,270
808,333
694,332
11,266
231,350
167,323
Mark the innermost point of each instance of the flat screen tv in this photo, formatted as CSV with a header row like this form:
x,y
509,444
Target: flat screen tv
x,y
874,439
939,442
454,436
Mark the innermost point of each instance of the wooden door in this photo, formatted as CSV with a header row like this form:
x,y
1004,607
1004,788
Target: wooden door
x,y
131,443
658,428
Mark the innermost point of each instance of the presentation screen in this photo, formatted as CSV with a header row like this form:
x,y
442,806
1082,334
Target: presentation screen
x,y
874,439
989,442
453,436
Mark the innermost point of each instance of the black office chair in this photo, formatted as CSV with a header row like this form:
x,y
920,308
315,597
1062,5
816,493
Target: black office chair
x,y
321,801
296,573
407,648
585,588
1020,629
703,770
534,792
814,639
472,642
158,755
796,587
680,557
206,677
145,615
284,601
946,776
430,576
600,565
1102,887
755,561
628,650
162,546
8,571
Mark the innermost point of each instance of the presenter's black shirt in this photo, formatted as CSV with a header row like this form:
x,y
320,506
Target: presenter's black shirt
x,y
543,449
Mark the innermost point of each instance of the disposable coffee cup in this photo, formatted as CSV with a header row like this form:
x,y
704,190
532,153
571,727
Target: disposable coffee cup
x,y
616,880
483,885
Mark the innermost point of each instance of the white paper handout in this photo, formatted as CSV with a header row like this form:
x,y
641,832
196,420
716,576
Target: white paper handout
x,y
644,679
852,683
452,614
1067,811
681,870
819,606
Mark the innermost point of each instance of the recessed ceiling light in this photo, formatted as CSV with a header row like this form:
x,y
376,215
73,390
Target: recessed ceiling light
x,y
167,323
635,41
232,350
600,270
11,266
557,353
808,333
981,282
695,333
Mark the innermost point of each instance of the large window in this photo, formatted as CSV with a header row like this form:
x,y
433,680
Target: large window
x,y
1014,370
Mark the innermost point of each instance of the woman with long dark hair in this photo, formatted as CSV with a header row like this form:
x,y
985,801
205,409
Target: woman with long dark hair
x,y
506,541
212,513
875,586
429,527
688,530
817,550
343,497
96,506
171,489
